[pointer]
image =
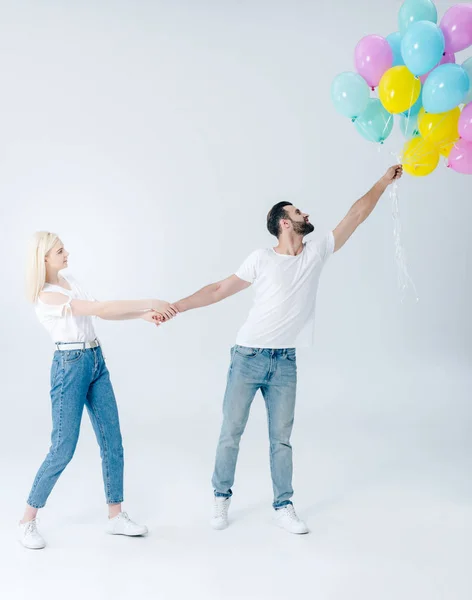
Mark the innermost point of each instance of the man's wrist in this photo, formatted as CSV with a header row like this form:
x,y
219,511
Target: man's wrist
x,y
180,306
384,182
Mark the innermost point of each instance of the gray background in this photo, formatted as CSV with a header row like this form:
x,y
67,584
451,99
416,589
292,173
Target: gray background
x,y
153,137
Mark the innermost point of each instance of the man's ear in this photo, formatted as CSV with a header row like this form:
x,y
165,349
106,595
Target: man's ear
x,y
285,223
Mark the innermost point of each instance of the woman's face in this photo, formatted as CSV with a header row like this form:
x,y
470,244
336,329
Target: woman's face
x,y
56,258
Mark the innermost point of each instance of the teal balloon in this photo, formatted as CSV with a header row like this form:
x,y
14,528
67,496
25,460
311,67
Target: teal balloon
x,y
395,41
413,11
467,66
350,94
375,124
423,47
415,109
409,126
446,87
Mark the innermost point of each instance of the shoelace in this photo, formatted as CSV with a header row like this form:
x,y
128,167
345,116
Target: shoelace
x,y
125,517
221,509
290,511
31,528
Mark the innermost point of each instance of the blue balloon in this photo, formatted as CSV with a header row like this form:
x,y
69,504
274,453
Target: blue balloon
x,y
415,109
423,47
467,65
409,126
446,87
350,94
375,124
395,41
413,11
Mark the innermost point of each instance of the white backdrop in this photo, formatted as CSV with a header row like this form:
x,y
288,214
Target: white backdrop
x,y
154,137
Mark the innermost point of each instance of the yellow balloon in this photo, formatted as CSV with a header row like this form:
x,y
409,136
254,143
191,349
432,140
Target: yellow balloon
x,y
446,150
399,89
441,129
420,157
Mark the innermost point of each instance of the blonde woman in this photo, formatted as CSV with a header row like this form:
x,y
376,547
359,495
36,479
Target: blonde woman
x,y
79,377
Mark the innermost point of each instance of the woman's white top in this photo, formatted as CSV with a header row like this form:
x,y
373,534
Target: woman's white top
x,y
59,321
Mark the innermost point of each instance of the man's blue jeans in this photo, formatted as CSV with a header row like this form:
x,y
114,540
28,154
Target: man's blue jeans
x,y
274,372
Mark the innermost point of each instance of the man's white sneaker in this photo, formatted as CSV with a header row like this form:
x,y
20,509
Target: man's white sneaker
x,y
286,517
29,535
123,525
220,512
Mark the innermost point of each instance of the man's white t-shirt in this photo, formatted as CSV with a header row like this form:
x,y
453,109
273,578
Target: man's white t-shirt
x,y
285,286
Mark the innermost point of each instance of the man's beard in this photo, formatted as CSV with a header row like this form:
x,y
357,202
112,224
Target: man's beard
x,y
302,228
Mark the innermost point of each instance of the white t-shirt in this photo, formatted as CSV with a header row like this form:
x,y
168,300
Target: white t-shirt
x,y
59,320
285,286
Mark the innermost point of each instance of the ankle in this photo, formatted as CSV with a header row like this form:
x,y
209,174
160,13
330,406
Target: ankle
x,y
114,510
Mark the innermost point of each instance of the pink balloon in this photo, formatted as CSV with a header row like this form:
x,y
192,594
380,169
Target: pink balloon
x,y
446,59
457,27
373,57
460,159
465,123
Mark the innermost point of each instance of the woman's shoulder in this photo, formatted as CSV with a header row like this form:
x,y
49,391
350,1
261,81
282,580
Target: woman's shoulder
x,y
57,293
53,296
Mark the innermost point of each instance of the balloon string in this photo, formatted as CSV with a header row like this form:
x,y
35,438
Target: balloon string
x,y
403,276
387,123
409,110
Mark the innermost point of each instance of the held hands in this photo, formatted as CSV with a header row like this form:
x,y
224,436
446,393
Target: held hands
x,y
152,316
393,174
165,309
160,313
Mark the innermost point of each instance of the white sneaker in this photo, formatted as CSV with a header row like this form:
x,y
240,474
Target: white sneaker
x,y
29,535
286,517
123,525
219,519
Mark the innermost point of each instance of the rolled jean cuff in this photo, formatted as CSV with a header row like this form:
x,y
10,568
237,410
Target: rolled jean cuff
x,y
279,505
115,501
35,505
220,495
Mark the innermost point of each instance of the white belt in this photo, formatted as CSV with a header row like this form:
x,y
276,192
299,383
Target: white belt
x,y
78,345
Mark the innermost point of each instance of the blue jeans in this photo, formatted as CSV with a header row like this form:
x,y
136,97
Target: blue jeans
x,y
80,378
274,372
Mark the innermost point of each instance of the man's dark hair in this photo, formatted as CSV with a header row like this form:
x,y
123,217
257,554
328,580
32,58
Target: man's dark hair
x,y
276,213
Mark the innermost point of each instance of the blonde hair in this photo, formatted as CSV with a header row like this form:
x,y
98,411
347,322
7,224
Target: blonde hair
x,y
41,244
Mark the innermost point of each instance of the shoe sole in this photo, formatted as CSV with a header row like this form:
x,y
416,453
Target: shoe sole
x,y
219,528
32,547
144,533
292,532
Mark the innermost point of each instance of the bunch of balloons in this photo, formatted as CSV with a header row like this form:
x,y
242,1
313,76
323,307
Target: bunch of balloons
x,y
417,78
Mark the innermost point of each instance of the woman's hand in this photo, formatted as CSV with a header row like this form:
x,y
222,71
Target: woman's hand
x,y
152,316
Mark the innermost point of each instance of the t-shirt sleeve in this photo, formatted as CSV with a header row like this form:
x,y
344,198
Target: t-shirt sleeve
x,y
52,311
248,271
324,247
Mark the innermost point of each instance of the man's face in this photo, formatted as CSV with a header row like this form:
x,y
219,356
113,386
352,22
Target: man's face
x,y
299,221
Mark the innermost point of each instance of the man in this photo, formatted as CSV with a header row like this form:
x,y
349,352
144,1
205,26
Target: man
x,y
285,279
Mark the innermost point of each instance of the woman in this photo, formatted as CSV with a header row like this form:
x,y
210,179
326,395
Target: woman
x,y
79,377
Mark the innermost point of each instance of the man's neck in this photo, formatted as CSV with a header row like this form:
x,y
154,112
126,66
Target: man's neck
x,y
290,245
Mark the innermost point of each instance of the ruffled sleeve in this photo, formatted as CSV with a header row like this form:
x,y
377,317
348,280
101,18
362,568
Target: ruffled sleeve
x,y
53,311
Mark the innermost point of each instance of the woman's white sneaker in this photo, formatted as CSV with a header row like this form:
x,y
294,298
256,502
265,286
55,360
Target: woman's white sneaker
x,y
29,535
287,518
219,519
123,525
